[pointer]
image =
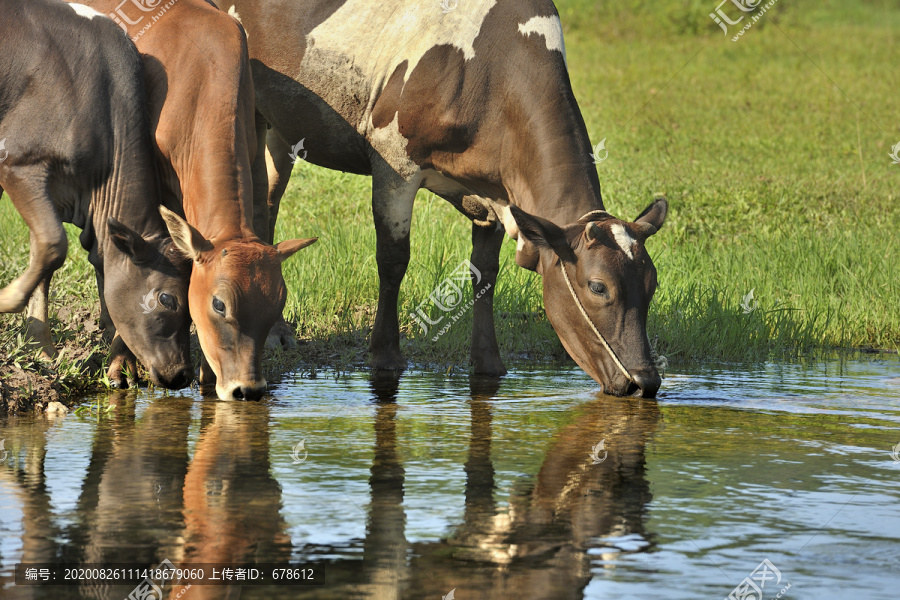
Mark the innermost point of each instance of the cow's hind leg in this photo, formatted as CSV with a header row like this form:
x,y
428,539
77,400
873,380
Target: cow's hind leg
x,y
37,321
274,174
392,204
48,242
484,352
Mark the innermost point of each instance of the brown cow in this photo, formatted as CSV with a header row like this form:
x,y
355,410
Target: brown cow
x,y
202,111
472,101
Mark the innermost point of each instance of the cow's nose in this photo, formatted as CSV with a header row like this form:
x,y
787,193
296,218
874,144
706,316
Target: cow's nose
x,y
182,378
648,381
173,379
248,392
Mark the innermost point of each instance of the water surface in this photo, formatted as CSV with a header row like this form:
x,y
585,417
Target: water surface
x,y
410,489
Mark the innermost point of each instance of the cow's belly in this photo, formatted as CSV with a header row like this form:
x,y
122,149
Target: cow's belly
x,y
318,107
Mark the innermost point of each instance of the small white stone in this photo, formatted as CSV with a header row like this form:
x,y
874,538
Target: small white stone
x,y
56,407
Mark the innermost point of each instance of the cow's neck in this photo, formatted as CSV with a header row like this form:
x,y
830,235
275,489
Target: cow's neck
x,y
547,169
215,183
130,194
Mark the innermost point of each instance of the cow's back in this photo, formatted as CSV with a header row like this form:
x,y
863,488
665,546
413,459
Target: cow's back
x,y
200,94
67,78
400,79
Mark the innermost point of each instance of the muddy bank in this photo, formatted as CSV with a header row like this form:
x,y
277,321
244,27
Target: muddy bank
x,y
29,383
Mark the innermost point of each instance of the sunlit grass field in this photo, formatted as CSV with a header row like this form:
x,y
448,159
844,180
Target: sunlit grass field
x,y
773,152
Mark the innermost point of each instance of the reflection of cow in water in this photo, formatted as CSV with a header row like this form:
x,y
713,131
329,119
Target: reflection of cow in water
x,y
146,497
538,547
535,549
232,505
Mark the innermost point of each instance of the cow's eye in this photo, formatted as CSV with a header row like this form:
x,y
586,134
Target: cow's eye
x,y
218,306
599,288
168,301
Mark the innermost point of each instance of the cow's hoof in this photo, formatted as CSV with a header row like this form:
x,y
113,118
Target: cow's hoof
x,y
281,336
39,338
388,362
117,381
489,367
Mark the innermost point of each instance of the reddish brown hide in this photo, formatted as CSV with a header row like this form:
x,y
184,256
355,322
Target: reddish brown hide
x,y
201,103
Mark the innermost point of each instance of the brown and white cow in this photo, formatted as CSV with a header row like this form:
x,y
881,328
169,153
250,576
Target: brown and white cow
x,y
472,101
202,112
77,149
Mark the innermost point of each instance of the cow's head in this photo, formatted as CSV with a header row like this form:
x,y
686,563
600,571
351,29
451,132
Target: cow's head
x,y
145,287
236,295
611,281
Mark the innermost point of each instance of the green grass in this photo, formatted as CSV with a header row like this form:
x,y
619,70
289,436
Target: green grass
x,y
772,151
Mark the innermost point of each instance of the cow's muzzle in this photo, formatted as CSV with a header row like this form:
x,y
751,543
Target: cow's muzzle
x,y
174,378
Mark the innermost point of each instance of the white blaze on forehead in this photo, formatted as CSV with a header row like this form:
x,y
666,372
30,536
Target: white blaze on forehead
x,y
550,28
85,11
380,35
623,238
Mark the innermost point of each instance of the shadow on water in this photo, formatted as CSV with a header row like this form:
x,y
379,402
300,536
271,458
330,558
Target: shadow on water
x,y
410,488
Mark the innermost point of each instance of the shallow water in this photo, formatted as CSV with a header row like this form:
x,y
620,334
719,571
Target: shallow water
x,y
413,489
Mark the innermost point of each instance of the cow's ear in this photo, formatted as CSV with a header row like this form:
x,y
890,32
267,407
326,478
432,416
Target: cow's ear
x,y
187,239
652,219
543,234
130,242
287,248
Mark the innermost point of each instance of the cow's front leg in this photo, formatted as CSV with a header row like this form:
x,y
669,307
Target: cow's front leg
x,y
392,204
122,361
37,321
207,375
484,352
123,369
260,177
279,166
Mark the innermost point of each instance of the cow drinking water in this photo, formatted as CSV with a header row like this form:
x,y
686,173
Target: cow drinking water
x,y
201,104
473,102
74,120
